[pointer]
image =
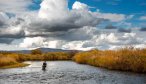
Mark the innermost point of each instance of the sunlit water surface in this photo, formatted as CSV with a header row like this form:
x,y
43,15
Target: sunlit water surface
x,y
66,72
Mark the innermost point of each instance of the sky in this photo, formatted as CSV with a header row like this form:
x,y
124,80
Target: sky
x,y
72,24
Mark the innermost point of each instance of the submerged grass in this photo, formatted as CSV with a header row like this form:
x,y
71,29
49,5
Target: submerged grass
x,y
14,65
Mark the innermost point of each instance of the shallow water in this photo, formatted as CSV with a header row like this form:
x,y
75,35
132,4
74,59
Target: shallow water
x,y
66,72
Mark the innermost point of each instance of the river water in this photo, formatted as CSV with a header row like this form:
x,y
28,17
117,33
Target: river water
x,y
67,72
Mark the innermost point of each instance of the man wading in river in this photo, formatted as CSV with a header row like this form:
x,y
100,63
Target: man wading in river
x,y
44,65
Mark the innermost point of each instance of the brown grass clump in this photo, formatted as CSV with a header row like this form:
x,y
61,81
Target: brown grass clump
x,y
10,59
6,60
127,59
46,56
84,57
56,56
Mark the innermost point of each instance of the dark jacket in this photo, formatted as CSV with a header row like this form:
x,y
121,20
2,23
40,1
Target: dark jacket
x,y
44,64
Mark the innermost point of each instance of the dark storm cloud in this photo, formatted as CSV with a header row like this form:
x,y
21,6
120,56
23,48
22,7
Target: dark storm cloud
x,y
11,27
8,37
143,29
1,23
126,30
6,40
110,27
45,26
14,36
82,34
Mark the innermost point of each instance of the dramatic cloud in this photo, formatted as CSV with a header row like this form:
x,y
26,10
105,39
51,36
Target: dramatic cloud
x,y
87,39
10,27
12,32
81,34
54,25
54,16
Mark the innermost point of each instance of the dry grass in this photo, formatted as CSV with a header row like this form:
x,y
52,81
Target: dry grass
x,y
6,60
126,59
46,56
10,61
14,59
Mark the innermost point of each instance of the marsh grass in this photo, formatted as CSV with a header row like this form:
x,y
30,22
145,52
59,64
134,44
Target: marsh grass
x,y
6,60
11,60
126,59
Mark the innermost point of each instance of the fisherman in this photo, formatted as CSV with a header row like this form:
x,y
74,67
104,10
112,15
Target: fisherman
x,y
44,65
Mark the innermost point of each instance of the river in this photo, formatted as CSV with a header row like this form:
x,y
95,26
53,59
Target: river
x,y
67,72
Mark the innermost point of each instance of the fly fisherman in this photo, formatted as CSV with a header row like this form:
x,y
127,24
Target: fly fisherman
x,y
44,65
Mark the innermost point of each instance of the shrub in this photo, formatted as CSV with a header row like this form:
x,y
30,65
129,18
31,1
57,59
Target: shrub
x,y
36,51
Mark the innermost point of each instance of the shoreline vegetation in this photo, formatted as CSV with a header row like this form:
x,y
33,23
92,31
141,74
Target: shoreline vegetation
x,y
125,59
